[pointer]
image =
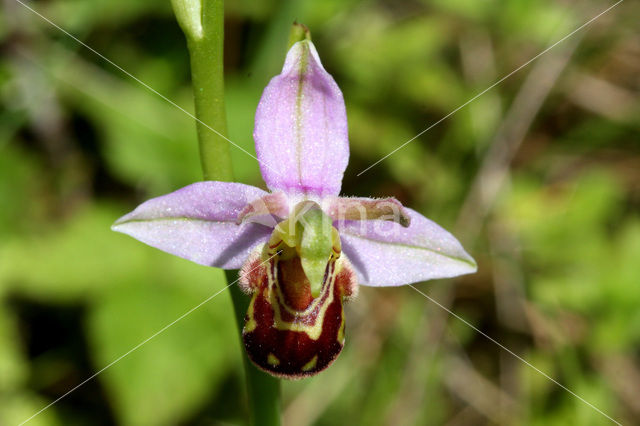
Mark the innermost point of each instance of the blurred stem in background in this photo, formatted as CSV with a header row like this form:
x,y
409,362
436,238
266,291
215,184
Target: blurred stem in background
x,y
203,25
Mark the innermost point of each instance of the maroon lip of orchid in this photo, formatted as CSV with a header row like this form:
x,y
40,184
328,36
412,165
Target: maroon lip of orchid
x,y
302,248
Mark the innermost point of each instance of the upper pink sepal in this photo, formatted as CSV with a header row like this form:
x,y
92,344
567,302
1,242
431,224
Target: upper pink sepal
x,y
301,127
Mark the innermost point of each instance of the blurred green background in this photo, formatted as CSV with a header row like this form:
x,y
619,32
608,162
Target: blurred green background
x,y
539,178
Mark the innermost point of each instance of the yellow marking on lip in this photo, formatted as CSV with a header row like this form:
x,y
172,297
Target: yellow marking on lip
x,y
313,331
280,299
251,323
273,360
341,330
311,364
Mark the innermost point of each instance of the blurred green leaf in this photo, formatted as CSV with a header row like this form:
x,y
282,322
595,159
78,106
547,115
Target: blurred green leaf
x,y
173,374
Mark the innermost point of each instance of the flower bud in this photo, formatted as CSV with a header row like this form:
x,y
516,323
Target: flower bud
x,y
189,16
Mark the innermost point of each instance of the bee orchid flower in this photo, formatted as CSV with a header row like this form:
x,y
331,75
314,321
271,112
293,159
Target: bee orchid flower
x,y
302,249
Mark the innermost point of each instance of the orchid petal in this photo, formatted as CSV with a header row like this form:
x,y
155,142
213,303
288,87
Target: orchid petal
x,y
301,127
198,223
386,254
360,208
265,210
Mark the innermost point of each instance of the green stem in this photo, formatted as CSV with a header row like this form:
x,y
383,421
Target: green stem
x,y
207,74
263,389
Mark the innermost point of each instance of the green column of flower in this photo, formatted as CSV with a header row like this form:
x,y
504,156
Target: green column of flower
x,y
203,24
